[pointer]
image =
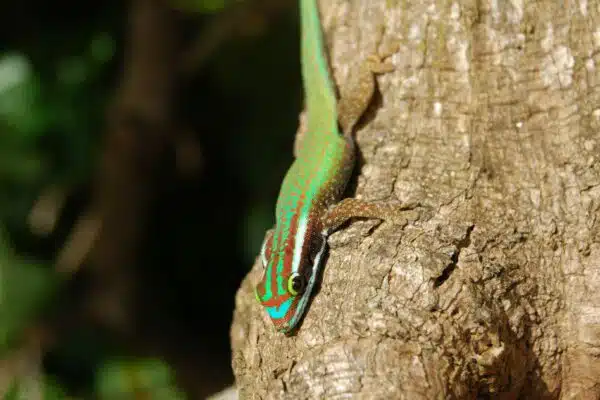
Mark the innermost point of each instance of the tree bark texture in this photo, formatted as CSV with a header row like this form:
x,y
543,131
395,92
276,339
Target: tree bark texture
x,y
491,119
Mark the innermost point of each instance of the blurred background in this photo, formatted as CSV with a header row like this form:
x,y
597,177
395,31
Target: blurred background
x,y
142,144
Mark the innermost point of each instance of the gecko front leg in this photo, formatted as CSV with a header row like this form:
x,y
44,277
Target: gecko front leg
x,y
357,91
356,94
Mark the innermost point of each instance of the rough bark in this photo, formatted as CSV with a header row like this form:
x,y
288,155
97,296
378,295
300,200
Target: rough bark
x,y
492,119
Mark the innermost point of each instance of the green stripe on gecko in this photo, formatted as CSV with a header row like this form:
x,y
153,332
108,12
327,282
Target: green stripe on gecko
x,y
314,183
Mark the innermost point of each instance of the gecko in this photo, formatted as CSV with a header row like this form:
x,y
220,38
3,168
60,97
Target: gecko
x,y
310,205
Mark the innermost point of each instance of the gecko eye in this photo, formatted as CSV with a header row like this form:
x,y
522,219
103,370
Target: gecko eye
x,y
296,284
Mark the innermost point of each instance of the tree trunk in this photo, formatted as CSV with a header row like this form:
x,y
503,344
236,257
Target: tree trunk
x,y
140,130
491,118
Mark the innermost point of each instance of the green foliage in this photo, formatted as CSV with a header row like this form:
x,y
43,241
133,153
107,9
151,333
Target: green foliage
x,y
48,107
202,6
22,390
24,287
136,378
19,95
50,114
40,110
59,73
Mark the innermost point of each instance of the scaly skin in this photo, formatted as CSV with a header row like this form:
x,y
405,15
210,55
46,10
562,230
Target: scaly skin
x,y
305,214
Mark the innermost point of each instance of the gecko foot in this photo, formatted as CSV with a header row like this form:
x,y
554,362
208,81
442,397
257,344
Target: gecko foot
x,y
394,212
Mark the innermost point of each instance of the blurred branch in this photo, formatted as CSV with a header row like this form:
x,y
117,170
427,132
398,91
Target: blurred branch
x,y
139,131
45,212
79,243
135,107
240,19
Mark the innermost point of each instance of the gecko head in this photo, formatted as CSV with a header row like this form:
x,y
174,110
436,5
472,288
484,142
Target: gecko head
x,y
291,265
284,296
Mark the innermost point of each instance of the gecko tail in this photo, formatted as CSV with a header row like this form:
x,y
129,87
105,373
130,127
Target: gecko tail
x,y
319,88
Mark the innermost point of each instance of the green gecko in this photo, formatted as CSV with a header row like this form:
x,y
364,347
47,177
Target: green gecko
x,y
309,207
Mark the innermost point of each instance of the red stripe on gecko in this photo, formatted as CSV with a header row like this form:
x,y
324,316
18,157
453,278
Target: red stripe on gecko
x,y
276,300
